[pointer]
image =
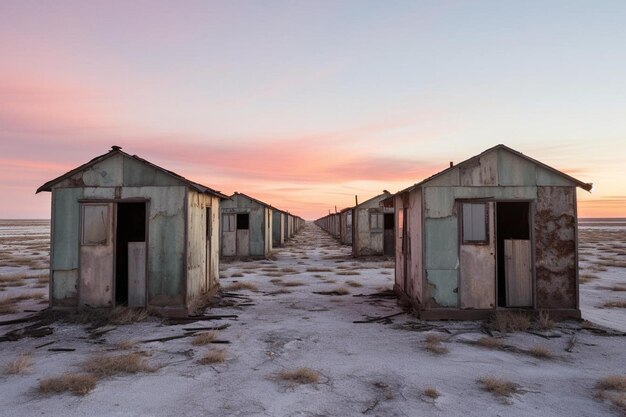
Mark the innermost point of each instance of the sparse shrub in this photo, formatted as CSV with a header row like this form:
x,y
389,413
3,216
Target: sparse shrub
x,y
431,392
126,315
292,283
541,352
127,363
490,342
615,304
19,364
204,338
316,269
612,383
348,273
213,356
499,387
238,286
432,344
126,344
79,384
544,321
237,275
509,321
354,284
300,376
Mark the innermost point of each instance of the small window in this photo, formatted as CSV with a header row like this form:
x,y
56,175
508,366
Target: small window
x,y
389,220
376,222
228,222
475,221
243,221
95,221
349,220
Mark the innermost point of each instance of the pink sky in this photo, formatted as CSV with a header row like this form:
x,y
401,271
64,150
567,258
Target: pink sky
x,y
307,104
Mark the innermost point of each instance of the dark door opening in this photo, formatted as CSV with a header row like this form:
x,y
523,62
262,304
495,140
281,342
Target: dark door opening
x,y
389,238
243,221
512,223
131,227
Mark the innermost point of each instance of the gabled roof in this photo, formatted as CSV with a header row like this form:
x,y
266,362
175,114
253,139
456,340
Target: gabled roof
x,y
385,193
583,185
257,201
116,150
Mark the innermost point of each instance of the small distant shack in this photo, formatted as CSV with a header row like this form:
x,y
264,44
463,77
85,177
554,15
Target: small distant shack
x,y
345,226
279,228
127,232
246,227
497,231
373,227
331,224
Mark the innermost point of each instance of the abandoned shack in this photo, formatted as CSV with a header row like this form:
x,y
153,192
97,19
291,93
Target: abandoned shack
x,y
246,227
373,228
127,232
497,231
330,223
279,235
345,226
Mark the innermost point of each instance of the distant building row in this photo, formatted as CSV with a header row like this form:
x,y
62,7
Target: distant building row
x,y
127,232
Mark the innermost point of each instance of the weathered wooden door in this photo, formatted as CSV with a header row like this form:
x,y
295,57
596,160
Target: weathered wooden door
x,y
229,235
477,268
136,274
97,248
209,235
518,273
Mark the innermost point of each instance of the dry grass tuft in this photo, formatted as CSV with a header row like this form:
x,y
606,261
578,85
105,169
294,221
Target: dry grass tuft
x,y
80,384
612,383
354,284
490,342
348,273
341,291
237,275
290,270
300,376
509,322
204,338
431,392
292,284
126,363
213,356
315,269
586,277
499,387
19,364
544,321
614,304
126,315
238,286
541,352
432,344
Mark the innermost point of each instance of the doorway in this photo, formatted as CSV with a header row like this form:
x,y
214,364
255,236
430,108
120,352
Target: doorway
x,y
130,254
514,262
389,238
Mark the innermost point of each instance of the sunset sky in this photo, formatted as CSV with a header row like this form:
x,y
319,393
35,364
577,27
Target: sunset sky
x,y
304,104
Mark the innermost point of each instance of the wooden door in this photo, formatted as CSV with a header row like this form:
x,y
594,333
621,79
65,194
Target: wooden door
x,y
136,274
518,273
477,272
209,235
97,249
229,235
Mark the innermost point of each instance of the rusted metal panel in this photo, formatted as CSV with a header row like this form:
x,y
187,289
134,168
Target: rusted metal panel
x,y
416,264
65,288
66,223
547,177
480,171
518,273
96,262
99,193
477,273
555,247
514,170
138,174
440,240
197,244
447,179
137,274
106,173
441,288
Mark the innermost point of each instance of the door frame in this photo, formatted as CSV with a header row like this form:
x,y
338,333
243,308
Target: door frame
x,y
114,202
531,237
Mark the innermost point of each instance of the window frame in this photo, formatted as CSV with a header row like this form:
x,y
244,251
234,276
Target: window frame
x,y
486,240
107,221
380,221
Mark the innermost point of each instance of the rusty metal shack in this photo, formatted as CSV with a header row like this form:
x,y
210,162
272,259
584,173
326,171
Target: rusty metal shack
x,y
373,228
127,232
345,226
246,227
497,231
